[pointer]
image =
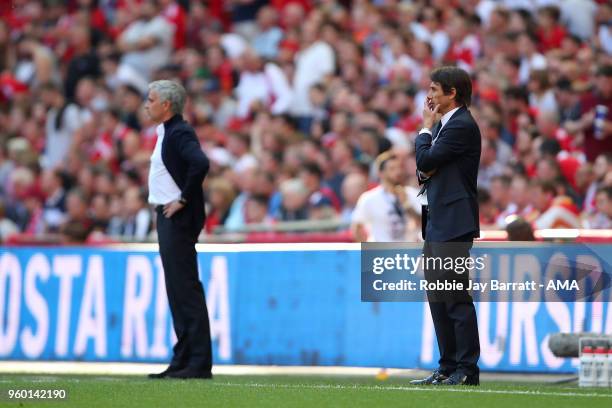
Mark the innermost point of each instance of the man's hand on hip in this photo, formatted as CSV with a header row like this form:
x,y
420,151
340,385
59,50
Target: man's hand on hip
x,y
172,208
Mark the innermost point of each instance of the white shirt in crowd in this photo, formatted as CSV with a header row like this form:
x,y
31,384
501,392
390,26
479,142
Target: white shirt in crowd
x,y
382,216
439,40
147,61
269,86
311,66
58,141
445,118
162,187
536,62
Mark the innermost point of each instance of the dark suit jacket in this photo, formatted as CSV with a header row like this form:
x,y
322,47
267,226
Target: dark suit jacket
x,y
187,164
451,190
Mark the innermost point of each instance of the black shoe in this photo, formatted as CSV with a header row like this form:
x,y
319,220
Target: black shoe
x,y
190,372
458,378
437,375
165,373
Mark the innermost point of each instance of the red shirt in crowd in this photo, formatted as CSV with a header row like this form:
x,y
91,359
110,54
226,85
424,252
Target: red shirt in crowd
x,y
552,39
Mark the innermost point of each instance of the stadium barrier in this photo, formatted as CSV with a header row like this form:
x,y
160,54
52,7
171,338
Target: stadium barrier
x,y
273,304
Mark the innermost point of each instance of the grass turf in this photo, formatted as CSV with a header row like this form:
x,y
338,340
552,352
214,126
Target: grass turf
x,y
294,391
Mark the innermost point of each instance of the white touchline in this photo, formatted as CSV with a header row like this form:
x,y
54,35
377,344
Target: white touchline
x,y
435,389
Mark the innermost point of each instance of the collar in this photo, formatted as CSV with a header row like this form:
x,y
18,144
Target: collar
x,y
448,115
174,119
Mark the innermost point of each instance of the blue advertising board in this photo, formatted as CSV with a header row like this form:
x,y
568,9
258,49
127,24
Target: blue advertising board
x,y
283,304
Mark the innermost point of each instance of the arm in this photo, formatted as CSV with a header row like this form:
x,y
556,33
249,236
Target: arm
x,y
359,233
358,220
280,88
191,152
449,145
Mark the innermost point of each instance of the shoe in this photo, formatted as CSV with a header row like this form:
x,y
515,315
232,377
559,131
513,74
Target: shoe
x,y
164,373
458,378
437,375
190,372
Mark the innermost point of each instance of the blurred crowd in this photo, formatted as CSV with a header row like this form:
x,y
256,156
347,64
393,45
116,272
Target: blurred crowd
x,y
293,100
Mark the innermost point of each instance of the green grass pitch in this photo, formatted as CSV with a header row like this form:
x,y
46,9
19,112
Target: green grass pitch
x,y
293,391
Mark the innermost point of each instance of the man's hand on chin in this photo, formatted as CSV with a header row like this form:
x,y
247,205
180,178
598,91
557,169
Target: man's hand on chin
x,y
430,113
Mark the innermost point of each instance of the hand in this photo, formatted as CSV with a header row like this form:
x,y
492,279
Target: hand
x,y
172,208
430,173
430,113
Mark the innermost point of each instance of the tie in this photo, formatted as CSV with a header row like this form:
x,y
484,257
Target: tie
x,y
436,129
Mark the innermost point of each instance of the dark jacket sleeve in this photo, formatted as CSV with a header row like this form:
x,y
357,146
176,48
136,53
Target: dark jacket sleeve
x,y
191,153
449,145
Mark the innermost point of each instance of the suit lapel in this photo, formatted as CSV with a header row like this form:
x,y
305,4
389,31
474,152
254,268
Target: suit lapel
x,y
437,128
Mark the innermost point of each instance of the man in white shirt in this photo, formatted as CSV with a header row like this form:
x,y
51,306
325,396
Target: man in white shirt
x,y
178,168
383,213
313,62
147,42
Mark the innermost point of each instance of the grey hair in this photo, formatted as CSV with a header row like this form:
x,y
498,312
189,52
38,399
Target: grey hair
x,y
172,92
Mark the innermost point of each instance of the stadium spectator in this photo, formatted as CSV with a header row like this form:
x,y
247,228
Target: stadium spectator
x,y
256,210
84,62
64,119
147,42
54,211
352,77
221,195
383,213
138,222
266,41
487,210
353,186
78,224
312,178
294,204
603,215
519,230
7,227
555,211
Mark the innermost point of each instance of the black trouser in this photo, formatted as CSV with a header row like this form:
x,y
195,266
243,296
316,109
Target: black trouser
x,y
185,294
453,312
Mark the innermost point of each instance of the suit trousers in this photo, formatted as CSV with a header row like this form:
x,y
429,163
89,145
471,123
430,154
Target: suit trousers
x,y
185,294
453,312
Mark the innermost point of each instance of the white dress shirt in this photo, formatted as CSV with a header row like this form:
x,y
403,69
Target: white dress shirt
x,y
445,118
162,187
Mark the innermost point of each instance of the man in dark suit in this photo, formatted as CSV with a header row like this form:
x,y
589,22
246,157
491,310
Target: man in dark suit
x,y
447,156
178,168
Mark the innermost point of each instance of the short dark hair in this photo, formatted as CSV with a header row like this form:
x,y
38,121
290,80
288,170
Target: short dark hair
x,y
551,11
483,195
453,77
604,70
504,179
545,186
550,148
517,92
564,84
607,190
313,168
520,230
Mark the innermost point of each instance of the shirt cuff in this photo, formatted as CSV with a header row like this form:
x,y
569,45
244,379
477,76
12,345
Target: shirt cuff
x,y
425,130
